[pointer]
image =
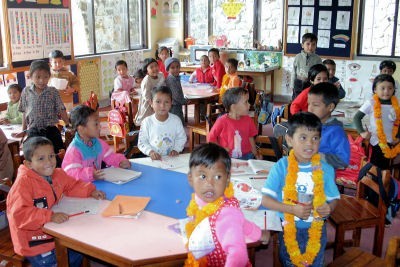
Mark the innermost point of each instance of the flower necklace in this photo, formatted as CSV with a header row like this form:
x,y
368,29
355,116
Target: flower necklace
x,y
199,214
290,194
386,150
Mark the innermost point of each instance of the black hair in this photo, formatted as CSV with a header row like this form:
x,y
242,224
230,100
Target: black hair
x,y
304,119
79,115
383,78
208,154
15,86
214,50
56,54
328,91
39,65
161,89
139,74
232,96
234,62
315,70
387,64
121,62
160,49
32,143
146,63
309,36
329,62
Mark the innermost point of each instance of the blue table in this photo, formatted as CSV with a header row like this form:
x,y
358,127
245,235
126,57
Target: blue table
x,y
170,191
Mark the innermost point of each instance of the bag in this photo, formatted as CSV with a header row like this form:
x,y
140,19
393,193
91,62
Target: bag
x,y
279,130
266,111
348,177
278,112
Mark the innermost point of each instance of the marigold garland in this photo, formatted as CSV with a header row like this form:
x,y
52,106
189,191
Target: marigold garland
x,y
386,150
314,232
199,215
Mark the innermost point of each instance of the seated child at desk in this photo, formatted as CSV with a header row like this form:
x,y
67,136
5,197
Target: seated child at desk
x,y
231,78
162,54
13,116
202,74
235,131
39,185
58,70
217,68
123,84
213,203
6,161
161,134
330,64
173,81
87,151
301,187
138,76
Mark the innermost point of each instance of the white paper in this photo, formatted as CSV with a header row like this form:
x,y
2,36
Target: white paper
x,y
171,163
293,2
325,2
342,20
306,29
308,2
345,2
119,175
73,205
58,83
260,166
323,38
293,35
247,195
307,16
324,20
265,219
293,15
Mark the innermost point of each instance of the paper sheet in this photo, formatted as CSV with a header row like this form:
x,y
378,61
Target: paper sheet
x,y
265,219
119,175
126,205
73,205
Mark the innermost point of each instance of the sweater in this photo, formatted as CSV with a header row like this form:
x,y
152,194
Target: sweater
x,y
13,115
301,66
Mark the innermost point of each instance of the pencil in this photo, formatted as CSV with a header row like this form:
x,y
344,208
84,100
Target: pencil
x,y
258,177
265,220
295,202
79,213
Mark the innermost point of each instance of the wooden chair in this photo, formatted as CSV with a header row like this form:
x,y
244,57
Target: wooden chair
x,y
214,110
269,147
286,114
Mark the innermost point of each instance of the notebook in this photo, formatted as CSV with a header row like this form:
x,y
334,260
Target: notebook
x,y
252,166
126,206
119,175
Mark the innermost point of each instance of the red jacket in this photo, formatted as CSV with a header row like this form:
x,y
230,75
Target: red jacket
x,y
25,219
161,66
300,103
218,71
204,76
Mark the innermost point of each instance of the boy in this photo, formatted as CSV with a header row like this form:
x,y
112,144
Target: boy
x,y
331,66
385,67
161,134
334,145
231,78
301,187
302,63
217,68
39,185
58,70
173,81
202,74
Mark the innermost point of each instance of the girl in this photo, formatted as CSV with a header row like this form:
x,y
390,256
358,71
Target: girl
x,y
162,54
86,152
13,116
384,117
152,79
317,74
214,205
123,84
203,73
173,81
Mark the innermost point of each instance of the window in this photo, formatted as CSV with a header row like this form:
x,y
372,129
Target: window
x,y
379,32
100,26
240,32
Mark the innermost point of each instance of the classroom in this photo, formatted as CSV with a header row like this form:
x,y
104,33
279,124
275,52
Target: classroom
x,y
129,93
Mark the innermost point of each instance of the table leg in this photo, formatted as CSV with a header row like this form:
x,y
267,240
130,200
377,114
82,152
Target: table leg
x,y
196,121
339,242
272,85
61,254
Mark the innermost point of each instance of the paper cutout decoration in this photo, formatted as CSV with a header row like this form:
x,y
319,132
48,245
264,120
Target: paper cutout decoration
x,y
232,8
126,206
201,241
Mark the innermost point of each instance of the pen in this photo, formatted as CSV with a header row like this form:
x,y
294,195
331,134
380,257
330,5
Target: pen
x,y
295,202
258,177
79,213
265,220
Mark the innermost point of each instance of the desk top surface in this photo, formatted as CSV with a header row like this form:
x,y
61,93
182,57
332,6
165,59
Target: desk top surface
x,y
190,67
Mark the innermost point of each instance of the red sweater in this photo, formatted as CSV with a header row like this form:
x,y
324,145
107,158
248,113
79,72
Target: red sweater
x,y
161,66
218,71
300,103
204,76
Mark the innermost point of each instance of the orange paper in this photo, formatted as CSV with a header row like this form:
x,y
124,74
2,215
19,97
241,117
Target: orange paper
x,y
126,205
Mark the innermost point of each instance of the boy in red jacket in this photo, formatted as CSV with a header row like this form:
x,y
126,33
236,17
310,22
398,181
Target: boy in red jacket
x,y
217,68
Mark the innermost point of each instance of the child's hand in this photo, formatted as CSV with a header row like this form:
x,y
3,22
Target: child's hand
x,y
337,84
59,217
133,91
173,153
324,210
98,174
302,210
125,164
154,155
18,135
366,135
97,194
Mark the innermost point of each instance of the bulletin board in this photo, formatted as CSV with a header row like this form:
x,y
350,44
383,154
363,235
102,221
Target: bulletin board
x,y
89,74
38,27
331,21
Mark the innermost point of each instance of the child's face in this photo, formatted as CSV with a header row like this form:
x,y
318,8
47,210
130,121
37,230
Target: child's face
x,y
138,81
163,55
209,183
40,78
387,70
229,68
122,70
43,160
153,69
320,78
174,69
14,95
204,62
317,106
309,46
242,107
331,70
384,90
91,129
57,63
305,143
161,105
213,57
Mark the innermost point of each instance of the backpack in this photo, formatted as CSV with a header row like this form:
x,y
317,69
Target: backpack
x,y
266,110
278,112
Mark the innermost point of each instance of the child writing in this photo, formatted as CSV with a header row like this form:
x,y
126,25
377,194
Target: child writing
x,y
38,187
123,84
235,131
162,54
334,146
331,66
152,79
87,151
58,70
173,81
317,74
13,116
231,78
161,134
213,204
302,63
217,68
301,187
384,119
204,73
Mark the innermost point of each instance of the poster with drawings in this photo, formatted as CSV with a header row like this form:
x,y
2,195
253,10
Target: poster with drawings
x,y
323,38
324,20
108,73
342,20
56,32
307,16
293,15
305,29
325,2
293,34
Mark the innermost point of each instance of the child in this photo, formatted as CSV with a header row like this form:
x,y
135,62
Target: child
x,y
317,74
203,74
6,161
123,84
331,66
87,151
213,202
152,79
231,78
235,131
162,54
302,63
334,145
58,70
41,106
161,134
38,187
173,81
385,67
307,184
138,76
13,116
217,68
384,117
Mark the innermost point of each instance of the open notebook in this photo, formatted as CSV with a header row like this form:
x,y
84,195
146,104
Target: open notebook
x,y
252,166
119,175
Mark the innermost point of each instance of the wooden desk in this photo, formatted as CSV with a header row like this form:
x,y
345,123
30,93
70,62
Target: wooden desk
x,y
13,142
